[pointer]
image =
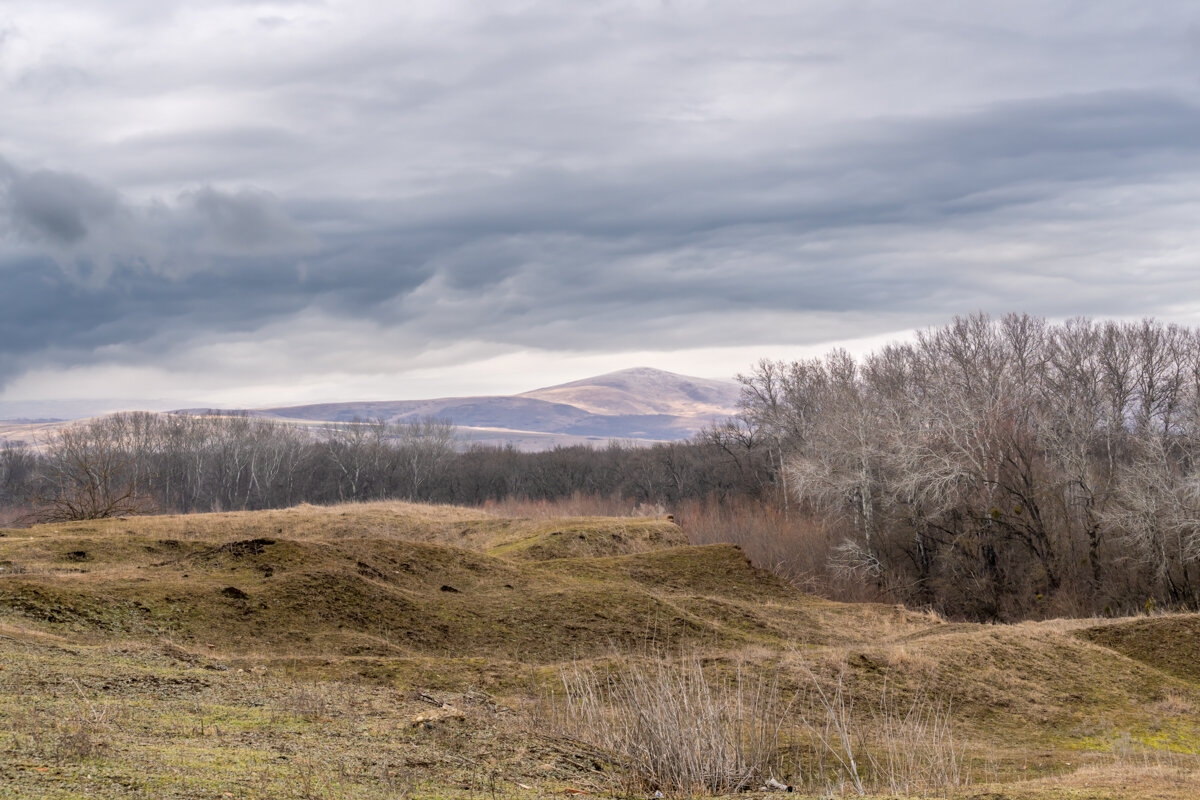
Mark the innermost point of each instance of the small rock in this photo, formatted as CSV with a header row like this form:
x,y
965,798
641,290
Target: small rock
x,y
427,719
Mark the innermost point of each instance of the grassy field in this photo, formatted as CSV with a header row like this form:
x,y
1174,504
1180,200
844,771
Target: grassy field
x,y
393,650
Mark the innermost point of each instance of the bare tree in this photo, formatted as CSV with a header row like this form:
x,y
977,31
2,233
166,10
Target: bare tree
x,y
89,475
1017,458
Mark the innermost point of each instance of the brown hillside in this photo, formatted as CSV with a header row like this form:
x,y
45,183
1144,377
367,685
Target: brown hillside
x,y
324,631
1170,643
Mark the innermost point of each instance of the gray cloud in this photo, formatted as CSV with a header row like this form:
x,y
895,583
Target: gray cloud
x,y
57,208
247,220
621,177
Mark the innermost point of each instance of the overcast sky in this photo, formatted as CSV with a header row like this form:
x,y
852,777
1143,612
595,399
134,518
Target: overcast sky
x,y
256,203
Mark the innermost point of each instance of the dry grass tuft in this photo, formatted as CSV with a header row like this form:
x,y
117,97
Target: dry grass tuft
x,y
679,725
673,726
882,744
76,733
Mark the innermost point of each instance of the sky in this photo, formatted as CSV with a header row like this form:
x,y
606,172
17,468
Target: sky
x,y
261,203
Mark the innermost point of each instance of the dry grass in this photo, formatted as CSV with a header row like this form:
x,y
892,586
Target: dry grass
x,y
679,725
898,747
79,729
579,505
1143,639
360,588
114,722
790,544
471,529
786,542
302,521
674,727
1106,781
339,615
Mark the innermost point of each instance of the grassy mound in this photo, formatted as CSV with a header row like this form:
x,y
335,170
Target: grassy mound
x,y
319,634
383,580
464,528
1168,643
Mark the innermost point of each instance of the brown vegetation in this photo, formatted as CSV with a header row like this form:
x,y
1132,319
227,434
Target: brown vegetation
x,y
992,470
181,656
1001,469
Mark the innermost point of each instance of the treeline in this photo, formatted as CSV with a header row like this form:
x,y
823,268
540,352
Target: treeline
x,y
1001,469
141,462
991,469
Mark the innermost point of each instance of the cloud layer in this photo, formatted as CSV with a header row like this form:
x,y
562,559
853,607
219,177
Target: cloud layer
x,y
247,195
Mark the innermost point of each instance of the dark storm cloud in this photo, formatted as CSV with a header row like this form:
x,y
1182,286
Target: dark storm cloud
x,y
730,233
618,177
84,269
57,208
246,219
892,171
629,251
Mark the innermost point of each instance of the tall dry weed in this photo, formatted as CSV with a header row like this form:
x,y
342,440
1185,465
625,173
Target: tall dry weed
x,y
792,544
884,745
674,726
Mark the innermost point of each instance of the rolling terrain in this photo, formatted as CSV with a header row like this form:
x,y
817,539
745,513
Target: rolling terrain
x,y
639,404
636,406
397,650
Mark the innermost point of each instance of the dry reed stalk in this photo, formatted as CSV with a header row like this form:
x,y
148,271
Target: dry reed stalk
x,y
675,727
901,749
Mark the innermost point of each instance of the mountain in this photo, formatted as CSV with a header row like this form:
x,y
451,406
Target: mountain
x,y
643,390
639,404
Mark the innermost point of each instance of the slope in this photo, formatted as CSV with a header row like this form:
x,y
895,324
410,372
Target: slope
x,y
634,404
642,390
364,608
385,579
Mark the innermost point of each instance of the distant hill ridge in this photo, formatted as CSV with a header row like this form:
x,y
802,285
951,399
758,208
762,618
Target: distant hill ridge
x,y
639,404
642,390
